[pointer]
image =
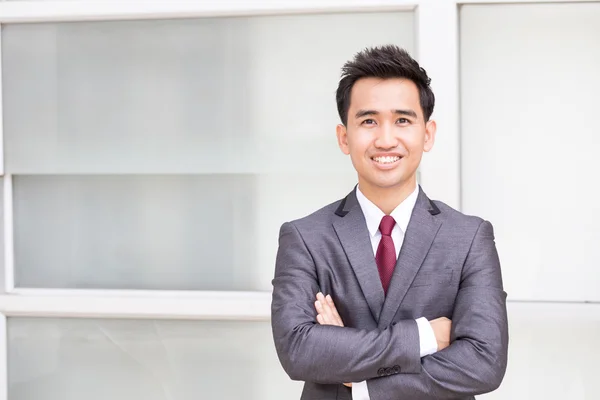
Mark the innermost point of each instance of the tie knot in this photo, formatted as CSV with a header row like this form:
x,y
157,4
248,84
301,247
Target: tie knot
x,y
386,225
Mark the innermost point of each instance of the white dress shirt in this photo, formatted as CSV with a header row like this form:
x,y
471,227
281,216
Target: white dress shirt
x,y
401,214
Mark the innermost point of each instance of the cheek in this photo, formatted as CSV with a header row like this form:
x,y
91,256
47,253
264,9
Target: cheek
x,y
359,144
414,141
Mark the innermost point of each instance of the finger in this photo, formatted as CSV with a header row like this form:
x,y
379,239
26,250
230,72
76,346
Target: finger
x,y
334,313
328,314
327,310
334,310
330,301
325,320
320,319
318,307
326,307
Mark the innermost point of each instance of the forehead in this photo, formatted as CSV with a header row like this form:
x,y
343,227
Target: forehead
x,y
384,95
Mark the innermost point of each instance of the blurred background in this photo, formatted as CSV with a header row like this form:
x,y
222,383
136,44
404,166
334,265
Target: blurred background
x,y
151,151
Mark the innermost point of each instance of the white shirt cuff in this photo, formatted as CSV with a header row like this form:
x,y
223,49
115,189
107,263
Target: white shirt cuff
x,y
427,341
360,391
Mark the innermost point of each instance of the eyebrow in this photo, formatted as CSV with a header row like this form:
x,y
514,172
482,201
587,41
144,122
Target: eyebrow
x,y
363,113
410,113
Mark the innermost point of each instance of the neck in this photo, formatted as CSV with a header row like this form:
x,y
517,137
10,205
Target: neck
x,y
387,199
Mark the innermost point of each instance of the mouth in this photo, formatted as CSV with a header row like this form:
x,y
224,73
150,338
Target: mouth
x,y
386,160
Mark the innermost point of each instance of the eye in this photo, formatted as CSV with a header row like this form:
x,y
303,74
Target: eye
x,y
368,121
403,121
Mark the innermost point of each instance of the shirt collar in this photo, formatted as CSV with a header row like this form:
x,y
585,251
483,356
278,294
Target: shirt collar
x,y
373,214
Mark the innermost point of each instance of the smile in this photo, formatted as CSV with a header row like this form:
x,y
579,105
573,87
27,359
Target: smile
x,y
386,159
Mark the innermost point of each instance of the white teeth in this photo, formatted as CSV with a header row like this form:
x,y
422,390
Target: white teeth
x,y
386,159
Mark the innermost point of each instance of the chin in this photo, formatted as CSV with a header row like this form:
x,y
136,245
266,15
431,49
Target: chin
x,y
386,184
390,181
390,185
393,183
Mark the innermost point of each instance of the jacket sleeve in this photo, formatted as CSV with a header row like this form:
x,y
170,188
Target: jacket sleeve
x,y
476,360
328,354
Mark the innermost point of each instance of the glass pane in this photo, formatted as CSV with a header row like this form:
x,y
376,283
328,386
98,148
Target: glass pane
x,y
75,359
551,360
2,266
529,88
227,95
202,232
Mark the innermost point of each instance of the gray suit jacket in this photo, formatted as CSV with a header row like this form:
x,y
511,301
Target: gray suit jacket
x,y
448,267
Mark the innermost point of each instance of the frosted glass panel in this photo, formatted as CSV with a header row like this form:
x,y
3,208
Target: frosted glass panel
x,y
2,266
551,360
201,232
75,359
530,142
234,95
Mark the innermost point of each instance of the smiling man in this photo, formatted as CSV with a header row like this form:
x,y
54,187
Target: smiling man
x,y
386,294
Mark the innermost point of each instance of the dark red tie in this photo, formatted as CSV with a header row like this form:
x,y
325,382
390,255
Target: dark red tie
x,y
386,253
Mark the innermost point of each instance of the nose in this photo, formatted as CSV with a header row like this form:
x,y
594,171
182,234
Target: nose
x,y
386,138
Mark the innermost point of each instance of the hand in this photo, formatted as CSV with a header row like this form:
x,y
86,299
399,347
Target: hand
x,y
327,314
441,329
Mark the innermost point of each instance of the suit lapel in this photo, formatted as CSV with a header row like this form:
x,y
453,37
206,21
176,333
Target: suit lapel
x,y
353,234
419,236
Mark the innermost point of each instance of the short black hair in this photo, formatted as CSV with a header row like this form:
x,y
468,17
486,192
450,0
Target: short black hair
x,y
386,62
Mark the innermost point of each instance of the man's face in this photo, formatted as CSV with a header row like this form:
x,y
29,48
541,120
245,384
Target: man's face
x,y
386,133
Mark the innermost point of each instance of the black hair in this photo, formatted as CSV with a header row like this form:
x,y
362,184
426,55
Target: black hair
x,y
386,62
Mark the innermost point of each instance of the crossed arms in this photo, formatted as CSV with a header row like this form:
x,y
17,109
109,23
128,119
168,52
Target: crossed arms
x,y
474,363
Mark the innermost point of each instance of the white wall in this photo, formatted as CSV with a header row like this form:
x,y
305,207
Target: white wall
x,y
530,139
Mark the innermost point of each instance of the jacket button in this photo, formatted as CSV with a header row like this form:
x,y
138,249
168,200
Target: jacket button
x,y
389,371
396,369
381,372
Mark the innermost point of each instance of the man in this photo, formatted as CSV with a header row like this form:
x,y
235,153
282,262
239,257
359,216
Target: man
x,y
414,306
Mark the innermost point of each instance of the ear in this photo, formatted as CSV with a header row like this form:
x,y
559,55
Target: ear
x,y
342,138
430,128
